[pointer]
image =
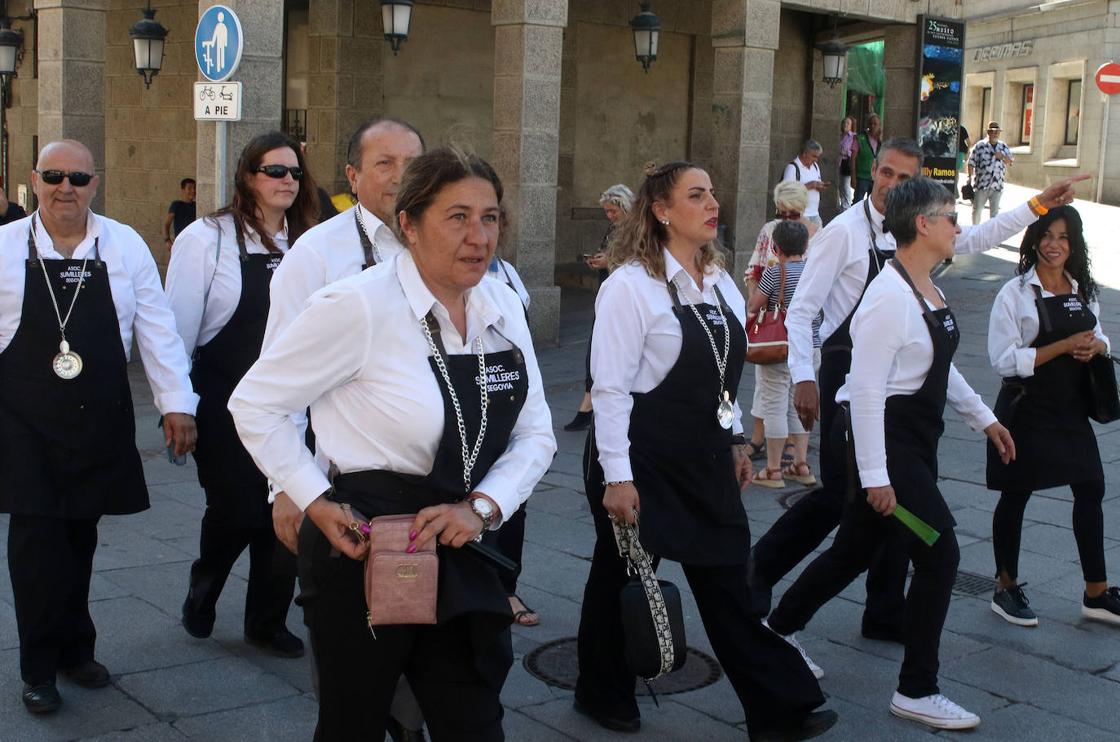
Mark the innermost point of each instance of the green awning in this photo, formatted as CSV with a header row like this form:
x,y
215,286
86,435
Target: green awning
x,y
865,71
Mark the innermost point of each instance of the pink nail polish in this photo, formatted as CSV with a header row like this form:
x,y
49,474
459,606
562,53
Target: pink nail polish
x,y
411,548
412,535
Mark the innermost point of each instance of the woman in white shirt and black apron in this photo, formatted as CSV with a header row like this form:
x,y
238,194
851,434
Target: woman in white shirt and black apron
x,y
218,286
1043,332
428,400
667,443
903,339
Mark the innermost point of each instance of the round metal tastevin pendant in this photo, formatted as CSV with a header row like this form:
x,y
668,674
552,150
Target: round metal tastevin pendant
x,y
66,365
725,414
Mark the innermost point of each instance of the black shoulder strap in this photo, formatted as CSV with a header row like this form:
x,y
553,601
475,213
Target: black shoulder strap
x,y
433,327
239,233
796,169
926,313
673,294
33,249
367,246
1043,314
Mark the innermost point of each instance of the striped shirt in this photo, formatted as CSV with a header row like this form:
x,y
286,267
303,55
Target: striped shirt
x,y
768,284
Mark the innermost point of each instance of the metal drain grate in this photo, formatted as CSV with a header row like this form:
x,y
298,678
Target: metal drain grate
x,y
970,583
556,663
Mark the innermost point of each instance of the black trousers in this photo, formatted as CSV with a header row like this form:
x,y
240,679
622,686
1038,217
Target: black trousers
x,y
1088,530
510,541
272,568
358,672
861,536
803,527
50,561
769,677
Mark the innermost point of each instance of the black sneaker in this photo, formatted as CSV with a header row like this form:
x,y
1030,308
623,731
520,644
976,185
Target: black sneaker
x,y
279,643
1105,607
1011,605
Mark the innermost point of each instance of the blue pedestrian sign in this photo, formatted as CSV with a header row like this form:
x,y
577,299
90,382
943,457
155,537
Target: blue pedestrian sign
x,y
218,43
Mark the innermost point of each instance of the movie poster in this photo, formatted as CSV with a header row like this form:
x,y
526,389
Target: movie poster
x,y
939,97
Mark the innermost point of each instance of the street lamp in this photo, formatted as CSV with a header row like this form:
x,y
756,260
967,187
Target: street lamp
x,y
10,44
148,37
834,57
396,15
647,33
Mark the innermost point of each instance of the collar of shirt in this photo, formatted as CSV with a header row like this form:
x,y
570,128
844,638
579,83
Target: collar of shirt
x,y
281,235
377,230
680,278
481,314
1030,278
45,245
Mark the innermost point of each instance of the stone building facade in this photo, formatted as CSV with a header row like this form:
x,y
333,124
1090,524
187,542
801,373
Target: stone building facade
x,y
1030,67
548,90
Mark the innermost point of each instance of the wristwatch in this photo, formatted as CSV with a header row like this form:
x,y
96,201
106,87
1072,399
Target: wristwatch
x,y
484,509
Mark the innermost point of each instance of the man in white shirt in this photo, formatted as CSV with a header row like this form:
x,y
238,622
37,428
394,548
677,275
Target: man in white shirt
x,y
75,287
805,170
843,258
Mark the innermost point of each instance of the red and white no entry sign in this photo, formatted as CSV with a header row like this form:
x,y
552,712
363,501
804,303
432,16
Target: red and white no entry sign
x,y
1108,78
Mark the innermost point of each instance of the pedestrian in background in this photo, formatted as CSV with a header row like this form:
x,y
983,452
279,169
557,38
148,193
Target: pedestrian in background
x,y
805,170
218,286
865,152
1044,329
181,213
987,167
844,188
10,211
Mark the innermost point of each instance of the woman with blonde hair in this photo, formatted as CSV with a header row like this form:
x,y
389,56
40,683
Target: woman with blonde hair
x,y
667,443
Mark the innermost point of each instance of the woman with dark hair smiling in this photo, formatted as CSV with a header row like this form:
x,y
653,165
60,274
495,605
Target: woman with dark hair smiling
x,y
217,285
667,444
427,399
1043,331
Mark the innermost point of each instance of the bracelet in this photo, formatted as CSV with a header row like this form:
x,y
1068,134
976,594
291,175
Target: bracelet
x,y
621,481
1036,207
738,440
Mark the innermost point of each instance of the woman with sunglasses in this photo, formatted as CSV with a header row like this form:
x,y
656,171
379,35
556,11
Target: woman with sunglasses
x,y
1044,329
790,201
217,284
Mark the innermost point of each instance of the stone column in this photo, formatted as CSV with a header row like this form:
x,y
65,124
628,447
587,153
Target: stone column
x,y
261,73
344,82
528,44
900,60
828,103
745,37
72,76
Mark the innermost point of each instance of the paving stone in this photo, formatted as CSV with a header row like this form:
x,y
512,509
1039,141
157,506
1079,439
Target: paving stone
x,y
671,721
1025,723
135,636
276,721
147,733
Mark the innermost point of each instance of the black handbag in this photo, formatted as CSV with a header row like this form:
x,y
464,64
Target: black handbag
x,y
967,192
1104,401
652,617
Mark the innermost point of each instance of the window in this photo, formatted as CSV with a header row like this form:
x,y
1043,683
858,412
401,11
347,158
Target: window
x,y
1027,111
985,109
1073,112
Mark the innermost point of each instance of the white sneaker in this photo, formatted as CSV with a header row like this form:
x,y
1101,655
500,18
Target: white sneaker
x,y
817,670
935,711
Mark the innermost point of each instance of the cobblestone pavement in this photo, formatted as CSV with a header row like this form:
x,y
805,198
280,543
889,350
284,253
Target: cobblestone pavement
x,y
1053,682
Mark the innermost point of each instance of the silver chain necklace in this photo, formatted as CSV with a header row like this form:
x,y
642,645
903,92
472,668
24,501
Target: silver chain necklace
x,y
372,240
725,413
470,454
66,364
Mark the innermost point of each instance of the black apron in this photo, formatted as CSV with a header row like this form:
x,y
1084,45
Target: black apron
x,y
68,447
467,584
1048,413
691,505
913,423
223,463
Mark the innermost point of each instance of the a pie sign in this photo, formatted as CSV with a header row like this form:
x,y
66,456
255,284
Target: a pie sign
x,y
1108,78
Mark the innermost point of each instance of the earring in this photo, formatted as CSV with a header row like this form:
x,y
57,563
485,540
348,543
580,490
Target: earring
x,y
665,222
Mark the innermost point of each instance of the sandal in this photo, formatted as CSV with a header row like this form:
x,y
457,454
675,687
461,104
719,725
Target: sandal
x,y
756,450
794,472
787,455
526,617
765,478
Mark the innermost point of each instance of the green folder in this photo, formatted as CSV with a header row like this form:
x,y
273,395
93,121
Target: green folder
x,y
920,528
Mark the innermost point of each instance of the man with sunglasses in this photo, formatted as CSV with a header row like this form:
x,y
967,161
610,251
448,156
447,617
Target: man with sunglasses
x,y
843,259
358,238
75,288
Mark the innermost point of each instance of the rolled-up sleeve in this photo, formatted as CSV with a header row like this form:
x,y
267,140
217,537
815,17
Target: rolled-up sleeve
x,y
828,252
967,402
303,364
1008,350
995,231
532,444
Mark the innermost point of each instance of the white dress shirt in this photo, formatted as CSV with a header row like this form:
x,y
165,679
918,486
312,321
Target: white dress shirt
x,y
137,295
836,268
892,352
504,272
359,358
322,255
810,174
196,264
636,342
1014,325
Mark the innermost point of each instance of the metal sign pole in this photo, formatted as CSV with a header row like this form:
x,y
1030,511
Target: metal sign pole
x,y
221,147
1104,141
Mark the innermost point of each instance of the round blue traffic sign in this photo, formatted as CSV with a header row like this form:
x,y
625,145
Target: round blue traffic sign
x,y
218,43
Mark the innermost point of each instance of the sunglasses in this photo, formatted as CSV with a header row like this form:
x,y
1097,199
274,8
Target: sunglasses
x,y
54,177
279,171
950,215
789,215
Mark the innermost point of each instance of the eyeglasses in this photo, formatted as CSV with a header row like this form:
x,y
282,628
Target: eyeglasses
x,y
950,215
279,171
54,177
789,215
